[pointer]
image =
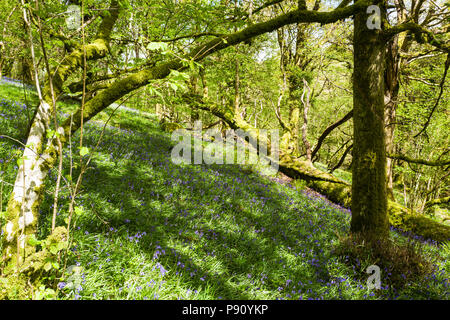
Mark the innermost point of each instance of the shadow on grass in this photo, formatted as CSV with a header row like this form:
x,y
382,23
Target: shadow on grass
x,y
217,225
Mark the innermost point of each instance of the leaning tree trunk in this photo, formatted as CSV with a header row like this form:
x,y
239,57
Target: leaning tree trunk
x,y
22,211
41,154
369,199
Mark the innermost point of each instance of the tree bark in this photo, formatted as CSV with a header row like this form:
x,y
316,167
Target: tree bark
x,y
369,198
342,159
392,86
437,163
438,201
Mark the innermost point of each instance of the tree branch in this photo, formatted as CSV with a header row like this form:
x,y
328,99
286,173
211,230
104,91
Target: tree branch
x,y
193,36
437,202
419,161
419,32
265,5
341,161
134,81
328,130
94,50
291,167
280,120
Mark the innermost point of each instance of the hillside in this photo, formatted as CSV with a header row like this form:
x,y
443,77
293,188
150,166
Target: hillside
x,y
146,228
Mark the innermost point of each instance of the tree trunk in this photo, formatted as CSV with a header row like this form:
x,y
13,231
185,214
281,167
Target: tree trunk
x,y
390,101
306,105
369,199
23,206
393,64
237,102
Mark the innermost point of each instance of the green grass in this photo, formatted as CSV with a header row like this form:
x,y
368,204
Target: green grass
x,y
150,229
339,173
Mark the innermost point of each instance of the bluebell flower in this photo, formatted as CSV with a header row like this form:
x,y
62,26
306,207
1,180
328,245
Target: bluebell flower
x,y
61,285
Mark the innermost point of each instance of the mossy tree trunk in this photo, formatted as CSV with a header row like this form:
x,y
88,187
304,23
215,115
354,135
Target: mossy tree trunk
x,y
193,85
369,197
293,60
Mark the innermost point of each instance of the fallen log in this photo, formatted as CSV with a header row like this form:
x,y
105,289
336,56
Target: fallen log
x,y
336,190
339,192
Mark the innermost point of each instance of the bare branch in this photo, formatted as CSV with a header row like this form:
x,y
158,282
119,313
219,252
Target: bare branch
x,y
328,130
341,161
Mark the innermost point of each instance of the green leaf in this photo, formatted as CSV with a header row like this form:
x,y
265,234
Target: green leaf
x,y
192,65
78,210
50,133
38,295
61,245
178,76
84,151
32,241
159,94
53,249
30,145
74,271
47,266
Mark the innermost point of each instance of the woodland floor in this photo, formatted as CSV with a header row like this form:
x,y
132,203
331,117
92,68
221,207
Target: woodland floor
x,y
149,229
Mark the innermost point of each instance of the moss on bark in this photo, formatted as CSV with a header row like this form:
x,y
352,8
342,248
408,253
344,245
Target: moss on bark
x,y
398,216
20,284
369,197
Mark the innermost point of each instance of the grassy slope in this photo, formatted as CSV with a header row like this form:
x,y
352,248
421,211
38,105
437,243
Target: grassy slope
x,y
150,229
